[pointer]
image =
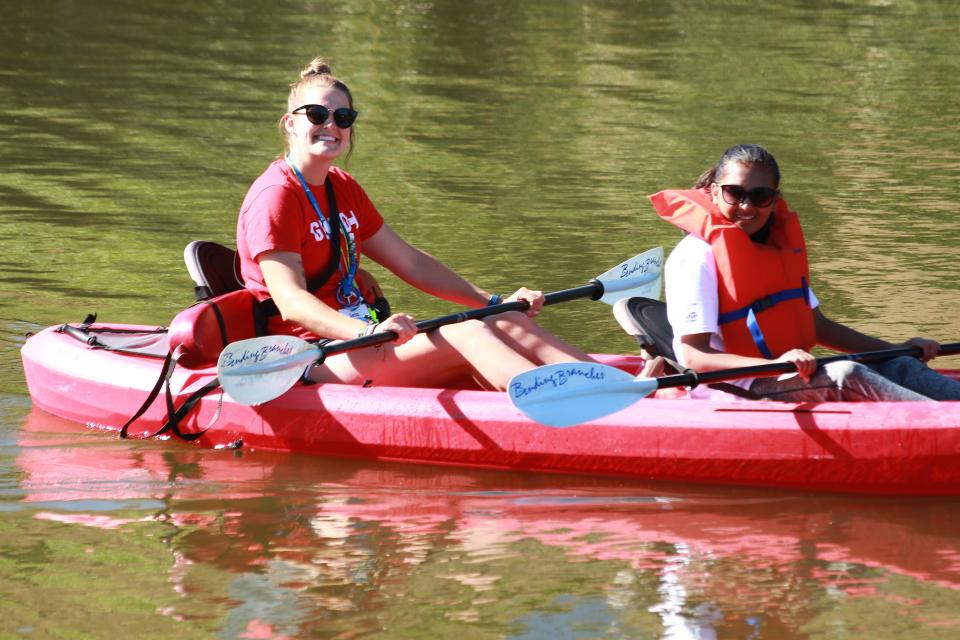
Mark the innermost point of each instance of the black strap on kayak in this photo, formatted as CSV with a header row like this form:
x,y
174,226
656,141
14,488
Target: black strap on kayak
x,y
86,333
174,414
267,306
164,380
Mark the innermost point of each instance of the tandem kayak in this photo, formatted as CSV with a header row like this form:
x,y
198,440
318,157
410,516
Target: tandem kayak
x,y
902,448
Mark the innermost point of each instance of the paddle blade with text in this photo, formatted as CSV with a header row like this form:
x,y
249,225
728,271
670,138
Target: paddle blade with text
x,y
570,393
259,369
640,276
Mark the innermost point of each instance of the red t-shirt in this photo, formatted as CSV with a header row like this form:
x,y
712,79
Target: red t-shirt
x,y
276,215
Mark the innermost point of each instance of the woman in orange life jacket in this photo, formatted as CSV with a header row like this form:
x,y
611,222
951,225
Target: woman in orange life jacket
x,y
283,239
738,294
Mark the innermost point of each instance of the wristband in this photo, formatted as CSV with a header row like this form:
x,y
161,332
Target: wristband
x,y
369,329
495,299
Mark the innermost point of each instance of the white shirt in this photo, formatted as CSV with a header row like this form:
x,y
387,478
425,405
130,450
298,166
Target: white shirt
x,y
693,303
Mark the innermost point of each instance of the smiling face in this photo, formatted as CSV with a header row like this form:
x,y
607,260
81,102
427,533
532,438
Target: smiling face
x,y
317,142
745,214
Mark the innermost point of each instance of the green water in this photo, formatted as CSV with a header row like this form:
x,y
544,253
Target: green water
x,y
516,141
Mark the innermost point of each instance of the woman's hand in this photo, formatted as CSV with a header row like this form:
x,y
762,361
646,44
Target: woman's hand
x,y
402,324
533,298
929,348
805,363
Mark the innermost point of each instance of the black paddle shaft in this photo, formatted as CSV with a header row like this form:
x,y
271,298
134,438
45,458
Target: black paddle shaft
x,y
593,290
691,378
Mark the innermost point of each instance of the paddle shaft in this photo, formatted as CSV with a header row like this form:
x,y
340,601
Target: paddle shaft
x,y
593,289
692,379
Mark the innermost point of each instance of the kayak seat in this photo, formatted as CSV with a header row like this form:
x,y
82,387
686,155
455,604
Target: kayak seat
x,y
646,320
214,268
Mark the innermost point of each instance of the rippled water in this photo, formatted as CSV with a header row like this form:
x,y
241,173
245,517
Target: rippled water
x,y
516,141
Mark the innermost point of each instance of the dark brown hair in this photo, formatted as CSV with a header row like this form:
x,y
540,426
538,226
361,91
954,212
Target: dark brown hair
x,y
752,154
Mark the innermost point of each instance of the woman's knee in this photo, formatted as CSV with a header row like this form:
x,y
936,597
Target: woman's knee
x,y
844,371
467,330
510,322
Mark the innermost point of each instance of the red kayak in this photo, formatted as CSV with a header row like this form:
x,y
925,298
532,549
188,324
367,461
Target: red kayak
x,y
882,448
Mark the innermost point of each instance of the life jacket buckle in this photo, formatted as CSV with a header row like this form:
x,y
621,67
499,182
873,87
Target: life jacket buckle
x,y
763,304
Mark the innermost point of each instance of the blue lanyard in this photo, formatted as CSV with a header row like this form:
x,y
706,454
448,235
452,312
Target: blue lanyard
x,y
347,292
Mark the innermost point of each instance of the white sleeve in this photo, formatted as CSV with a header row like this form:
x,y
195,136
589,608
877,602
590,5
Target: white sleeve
x,y
691,288
693,304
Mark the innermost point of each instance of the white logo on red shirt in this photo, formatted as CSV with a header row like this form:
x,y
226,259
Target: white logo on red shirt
x,y
321,230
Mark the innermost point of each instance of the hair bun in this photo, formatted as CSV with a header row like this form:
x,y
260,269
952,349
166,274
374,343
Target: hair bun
x,y
316,67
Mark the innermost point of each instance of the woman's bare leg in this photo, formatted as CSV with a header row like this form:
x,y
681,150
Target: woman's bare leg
x,y
500,347
425,361
491,351
532,341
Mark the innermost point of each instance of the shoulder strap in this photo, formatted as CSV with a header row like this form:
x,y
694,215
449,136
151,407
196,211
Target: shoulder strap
x,y
321,278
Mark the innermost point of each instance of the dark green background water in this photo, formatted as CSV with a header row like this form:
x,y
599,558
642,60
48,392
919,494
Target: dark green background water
x,y
516,141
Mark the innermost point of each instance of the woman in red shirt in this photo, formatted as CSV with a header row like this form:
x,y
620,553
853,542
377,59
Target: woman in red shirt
x,y
285,240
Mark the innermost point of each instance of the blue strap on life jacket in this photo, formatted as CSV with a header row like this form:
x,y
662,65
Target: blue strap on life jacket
x,y
750,312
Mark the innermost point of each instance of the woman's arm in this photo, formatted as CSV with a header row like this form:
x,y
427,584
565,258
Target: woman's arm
x,y
283,275
840,337
700,356
421,270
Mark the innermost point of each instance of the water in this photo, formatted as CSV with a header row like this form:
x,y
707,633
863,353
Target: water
x,y
516,141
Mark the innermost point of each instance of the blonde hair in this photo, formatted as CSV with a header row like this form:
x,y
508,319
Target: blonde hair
x,y
317,73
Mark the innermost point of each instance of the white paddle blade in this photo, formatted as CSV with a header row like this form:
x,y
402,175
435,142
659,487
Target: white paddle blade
x,y
257,370
641,275
571,393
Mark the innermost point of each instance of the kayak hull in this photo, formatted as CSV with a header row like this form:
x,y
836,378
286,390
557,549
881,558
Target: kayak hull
x,y
883,448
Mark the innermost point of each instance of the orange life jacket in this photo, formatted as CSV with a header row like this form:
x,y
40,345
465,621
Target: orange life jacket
x,y
763,287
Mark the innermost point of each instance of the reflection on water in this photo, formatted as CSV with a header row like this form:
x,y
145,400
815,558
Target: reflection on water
x,y
516,141
288,546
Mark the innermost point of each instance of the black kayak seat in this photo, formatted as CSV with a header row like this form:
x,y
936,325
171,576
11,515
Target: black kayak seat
x,y
646,320
214,268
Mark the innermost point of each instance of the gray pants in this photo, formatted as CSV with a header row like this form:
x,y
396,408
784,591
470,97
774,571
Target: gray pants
x,y
902,378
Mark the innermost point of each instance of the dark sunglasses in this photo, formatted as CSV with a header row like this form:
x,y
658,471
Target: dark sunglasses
x,y
735,194
318,114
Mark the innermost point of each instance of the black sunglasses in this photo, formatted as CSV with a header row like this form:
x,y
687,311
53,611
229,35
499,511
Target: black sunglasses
x,y
759,197
318,114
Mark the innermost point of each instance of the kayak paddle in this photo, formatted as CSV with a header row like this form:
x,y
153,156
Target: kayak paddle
x,y
260,369
570,393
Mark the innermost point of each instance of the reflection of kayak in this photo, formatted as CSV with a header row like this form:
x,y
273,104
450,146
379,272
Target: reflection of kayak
x,y
897,448
638,524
